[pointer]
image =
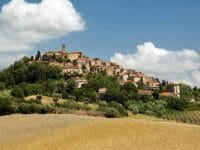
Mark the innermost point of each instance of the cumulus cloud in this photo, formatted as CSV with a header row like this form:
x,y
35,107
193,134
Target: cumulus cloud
x,y
24,24
177,66
7,59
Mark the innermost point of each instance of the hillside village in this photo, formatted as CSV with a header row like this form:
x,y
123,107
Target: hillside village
x,y
77,63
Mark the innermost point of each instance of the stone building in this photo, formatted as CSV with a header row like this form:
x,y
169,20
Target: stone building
x,y
174,88
76,62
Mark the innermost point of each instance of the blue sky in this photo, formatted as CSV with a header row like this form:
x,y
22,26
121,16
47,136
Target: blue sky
x,y
120,25
147,35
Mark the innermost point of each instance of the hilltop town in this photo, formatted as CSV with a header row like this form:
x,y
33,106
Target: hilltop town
x,y
77,63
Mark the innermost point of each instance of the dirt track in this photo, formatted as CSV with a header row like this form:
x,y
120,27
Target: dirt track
x,y
70,132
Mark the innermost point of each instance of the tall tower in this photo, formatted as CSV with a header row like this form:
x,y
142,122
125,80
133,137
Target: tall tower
x,y
63,50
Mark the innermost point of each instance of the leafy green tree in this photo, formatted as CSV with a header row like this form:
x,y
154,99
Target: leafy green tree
x,y
36,72
122,111
60,59
130,88
196,93
53,72
155,94
115,94
133,108
175,103
71,86
141,85
111,112
2,86
17,92
84,68
6,106
27,90
39,97
185,90
49,87
36,88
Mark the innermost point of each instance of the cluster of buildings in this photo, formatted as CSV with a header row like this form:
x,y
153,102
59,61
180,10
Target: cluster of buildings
x,y
78,63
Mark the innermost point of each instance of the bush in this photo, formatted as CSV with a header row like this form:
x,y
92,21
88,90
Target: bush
x,y
157,108
26,89
27,108
175,103
122,111
39,97
17,92
149,112
160,108
102,104
35,108
31,101
69,105
46,109
6,106
134,109
111,112
85,107
2,86
24,108
55,99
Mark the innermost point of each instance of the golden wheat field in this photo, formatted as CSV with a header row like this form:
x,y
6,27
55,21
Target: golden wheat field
x,y
71,132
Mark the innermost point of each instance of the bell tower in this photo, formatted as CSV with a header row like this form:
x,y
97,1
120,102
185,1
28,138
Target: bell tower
x,y
63,48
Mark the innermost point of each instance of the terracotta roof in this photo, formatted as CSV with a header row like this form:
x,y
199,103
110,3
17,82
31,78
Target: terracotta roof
x,y
69,67
75,52
96,58
145,92
166,94
171,83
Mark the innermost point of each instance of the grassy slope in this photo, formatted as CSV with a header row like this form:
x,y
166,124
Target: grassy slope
x,y
82,132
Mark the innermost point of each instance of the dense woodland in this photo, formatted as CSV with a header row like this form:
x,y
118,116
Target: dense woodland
x,y
24,79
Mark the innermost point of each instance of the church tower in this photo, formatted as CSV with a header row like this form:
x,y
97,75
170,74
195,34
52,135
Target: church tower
x,y
63,50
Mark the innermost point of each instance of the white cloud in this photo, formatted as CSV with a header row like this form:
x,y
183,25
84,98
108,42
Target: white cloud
x,y
7,59
177,66
24,24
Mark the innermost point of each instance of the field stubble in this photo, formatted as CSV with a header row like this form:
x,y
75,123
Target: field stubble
x,y
27,132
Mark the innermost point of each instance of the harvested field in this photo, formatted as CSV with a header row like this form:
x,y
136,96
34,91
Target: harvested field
x,y
71,132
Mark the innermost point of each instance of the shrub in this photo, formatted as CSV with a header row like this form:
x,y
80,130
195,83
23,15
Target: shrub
x,y
134,109
2,86
17,92
175,103
157,108
26,89
55,99
24,108
111,112
39,98
85,107
31,101
102,104
141,107
119,108
160,108
149,112
6,106
35,108
46,109
69,105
